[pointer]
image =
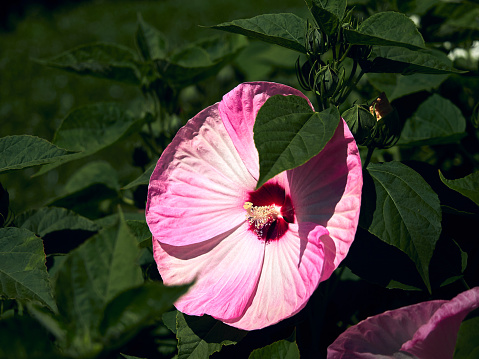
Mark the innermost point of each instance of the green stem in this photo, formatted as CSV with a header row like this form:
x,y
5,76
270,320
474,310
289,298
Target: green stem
x,y
368,157
345,96
463,281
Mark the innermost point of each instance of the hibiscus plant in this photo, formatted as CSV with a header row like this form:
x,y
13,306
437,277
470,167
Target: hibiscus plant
x,y
296,185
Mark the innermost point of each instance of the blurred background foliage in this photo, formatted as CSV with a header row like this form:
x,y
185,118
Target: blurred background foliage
x,y
34,99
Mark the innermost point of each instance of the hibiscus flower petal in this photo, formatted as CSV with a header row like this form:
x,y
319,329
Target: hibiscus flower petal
x,y
197,189
436,339
333,198
425,330
238,110
226,269
381,336
288,278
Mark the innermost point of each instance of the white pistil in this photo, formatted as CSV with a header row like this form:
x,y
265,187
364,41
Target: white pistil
x,y
261,216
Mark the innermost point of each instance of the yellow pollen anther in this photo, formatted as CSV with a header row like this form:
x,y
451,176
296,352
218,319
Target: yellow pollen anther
x,y
261,216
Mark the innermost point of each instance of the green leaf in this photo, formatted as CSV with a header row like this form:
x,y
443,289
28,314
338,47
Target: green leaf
x,y
141,231
387,29
17,152
397,86
91,184
197,61
467,345
130,357
143,179
436,121
328,14
135,309
404,212
50,219
107,61
90,129
287,133
283,349
467,186
23,273
21,337
150,41
91,173
169,320
392,59
91,276
287,30
199,337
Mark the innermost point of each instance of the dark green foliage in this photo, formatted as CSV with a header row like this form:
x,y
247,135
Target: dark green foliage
x,y
77,274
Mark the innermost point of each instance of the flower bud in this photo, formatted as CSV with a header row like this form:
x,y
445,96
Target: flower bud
x,y
377,127
326,81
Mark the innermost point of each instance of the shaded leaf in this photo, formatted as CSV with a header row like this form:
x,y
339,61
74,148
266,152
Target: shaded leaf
x,y
134,309
91,276
283,349
403,211
17,152
287,30
467,345
198,61
150,41
141,231
22,337
143,179
169,320
287,133
199,337
387,29
50,219
436,121
397,86
23,274
328,14
392,59
397,269
467,186
90,129
88,187
107,61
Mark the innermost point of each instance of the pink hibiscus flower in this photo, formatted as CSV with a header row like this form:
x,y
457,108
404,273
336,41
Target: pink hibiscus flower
x,y
426,330
256,256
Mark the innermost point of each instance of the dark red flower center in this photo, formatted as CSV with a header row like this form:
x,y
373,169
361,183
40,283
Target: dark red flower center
x,y
268,211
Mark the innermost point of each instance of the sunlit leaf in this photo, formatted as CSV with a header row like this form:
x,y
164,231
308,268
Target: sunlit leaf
x,y
287,133
23,274
402,210
17,152
387,29
286,30
436,121
199,337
